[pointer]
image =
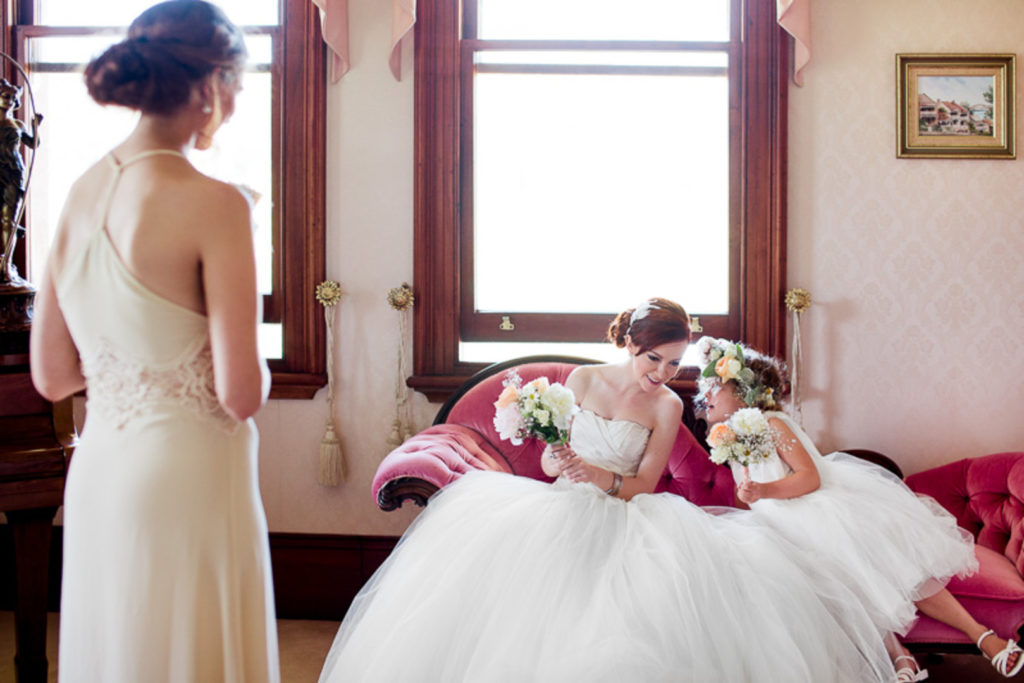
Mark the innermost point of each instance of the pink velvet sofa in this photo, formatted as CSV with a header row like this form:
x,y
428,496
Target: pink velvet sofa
x,y
463,438
985,494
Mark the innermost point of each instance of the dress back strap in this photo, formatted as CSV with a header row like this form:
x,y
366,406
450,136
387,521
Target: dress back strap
x,y
119,166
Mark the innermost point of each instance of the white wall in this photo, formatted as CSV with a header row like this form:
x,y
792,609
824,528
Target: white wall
x,y
912,344
914,265
369,251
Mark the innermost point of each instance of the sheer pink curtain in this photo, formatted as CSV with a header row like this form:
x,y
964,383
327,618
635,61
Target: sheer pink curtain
x,y
795,17
334,26
403,18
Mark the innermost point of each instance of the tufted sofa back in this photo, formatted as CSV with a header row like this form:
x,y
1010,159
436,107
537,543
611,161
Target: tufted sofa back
x,y
986,494
689,472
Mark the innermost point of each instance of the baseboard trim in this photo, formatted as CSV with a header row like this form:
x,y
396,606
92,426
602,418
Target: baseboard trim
x,y
315,575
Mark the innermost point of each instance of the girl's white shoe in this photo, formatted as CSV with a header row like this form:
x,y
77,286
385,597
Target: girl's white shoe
x,y
911,673
999,662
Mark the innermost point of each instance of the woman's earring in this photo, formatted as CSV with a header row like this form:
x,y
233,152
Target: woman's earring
x,y
207,109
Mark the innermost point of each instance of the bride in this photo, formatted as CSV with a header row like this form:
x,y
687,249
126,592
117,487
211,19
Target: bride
x,y
594,577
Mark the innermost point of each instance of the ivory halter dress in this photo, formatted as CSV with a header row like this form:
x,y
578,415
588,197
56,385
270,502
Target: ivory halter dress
x,y
505,578
888,544
166,561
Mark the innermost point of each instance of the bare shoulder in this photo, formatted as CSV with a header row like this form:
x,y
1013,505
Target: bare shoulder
x,y
781,428
580,380
219,198
668,406
218,210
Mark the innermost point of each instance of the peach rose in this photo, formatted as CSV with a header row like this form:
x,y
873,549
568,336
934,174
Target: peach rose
x,y
507,397
540,385
720,434
728,368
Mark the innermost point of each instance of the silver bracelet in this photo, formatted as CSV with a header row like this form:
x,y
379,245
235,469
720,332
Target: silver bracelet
x,y
616,484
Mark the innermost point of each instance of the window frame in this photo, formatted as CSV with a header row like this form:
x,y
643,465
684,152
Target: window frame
x,y
758,222
299,103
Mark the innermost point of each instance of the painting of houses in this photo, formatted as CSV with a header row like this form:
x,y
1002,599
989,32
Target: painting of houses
x,y
955,105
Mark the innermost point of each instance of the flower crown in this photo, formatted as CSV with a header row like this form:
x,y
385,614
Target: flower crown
x,y
724,361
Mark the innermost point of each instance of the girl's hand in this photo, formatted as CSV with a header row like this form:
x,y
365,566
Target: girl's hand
x,y
749,491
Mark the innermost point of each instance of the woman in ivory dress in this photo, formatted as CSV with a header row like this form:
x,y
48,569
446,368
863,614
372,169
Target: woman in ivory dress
x,y
895,549
594,577
149,303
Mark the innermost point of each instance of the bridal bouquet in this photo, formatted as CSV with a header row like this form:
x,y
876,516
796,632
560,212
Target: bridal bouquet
x,y
539,409
745,438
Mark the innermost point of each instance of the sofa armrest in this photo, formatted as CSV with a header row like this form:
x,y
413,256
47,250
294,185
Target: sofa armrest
x,y
430,460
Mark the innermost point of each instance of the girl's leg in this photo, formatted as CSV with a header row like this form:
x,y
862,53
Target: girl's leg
x,y
945,608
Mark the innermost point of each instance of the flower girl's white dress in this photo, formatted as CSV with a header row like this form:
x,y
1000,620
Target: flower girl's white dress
x,y
891,546
505,578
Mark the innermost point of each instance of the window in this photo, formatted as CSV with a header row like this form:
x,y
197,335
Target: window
x,y
274,144
640,152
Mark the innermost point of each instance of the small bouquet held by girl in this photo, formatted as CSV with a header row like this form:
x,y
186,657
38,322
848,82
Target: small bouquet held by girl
x,y
540,409
745,438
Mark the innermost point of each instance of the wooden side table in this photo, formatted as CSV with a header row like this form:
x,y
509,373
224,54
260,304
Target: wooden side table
x,y
36,439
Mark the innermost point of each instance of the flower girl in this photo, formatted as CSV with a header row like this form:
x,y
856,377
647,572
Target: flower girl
x,y
896,549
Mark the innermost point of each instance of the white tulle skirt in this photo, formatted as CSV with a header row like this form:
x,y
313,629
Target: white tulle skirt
x,y
891,546
504,578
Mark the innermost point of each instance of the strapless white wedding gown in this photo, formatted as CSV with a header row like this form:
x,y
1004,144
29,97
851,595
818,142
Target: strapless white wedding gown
x,y
166,560
888,544
505,578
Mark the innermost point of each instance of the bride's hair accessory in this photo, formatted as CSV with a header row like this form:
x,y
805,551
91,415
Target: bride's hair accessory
x,y
724,361
642,311
655,321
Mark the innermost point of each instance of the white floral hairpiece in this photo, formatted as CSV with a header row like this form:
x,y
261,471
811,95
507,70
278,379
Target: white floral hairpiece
x,y
642,311
723,361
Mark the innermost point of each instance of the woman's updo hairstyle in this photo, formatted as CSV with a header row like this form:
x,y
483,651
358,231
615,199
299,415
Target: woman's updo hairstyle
x,y
652,323
170,48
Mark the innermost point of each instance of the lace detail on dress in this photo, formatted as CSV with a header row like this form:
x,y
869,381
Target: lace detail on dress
x,y
121,388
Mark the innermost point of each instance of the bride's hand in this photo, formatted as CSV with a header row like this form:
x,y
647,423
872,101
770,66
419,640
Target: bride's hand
x,y
579,471
560,457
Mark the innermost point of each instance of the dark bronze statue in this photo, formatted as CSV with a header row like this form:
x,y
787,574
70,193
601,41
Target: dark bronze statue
x,y
13,134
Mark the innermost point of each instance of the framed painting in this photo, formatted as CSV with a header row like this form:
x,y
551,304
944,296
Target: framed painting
x,y
955,106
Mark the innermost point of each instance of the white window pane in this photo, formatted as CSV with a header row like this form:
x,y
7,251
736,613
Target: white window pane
x,y
82,49
496,352
605,57
122,12
675,20
270,340
77,132
241,153
619,185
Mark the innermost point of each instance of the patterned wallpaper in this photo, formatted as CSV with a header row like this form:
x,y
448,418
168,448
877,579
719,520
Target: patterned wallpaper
x,y
914,345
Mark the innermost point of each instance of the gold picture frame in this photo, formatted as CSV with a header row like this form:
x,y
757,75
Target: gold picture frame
x,y
955,106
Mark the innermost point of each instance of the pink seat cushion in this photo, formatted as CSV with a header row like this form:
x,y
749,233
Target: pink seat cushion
x,y
994,595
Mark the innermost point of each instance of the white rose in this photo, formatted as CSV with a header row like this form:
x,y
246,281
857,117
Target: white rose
x,y
748,421
542,417
561,402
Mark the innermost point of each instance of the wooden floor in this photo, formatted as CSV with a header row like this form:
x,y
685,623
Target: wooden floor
x,y
304,645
